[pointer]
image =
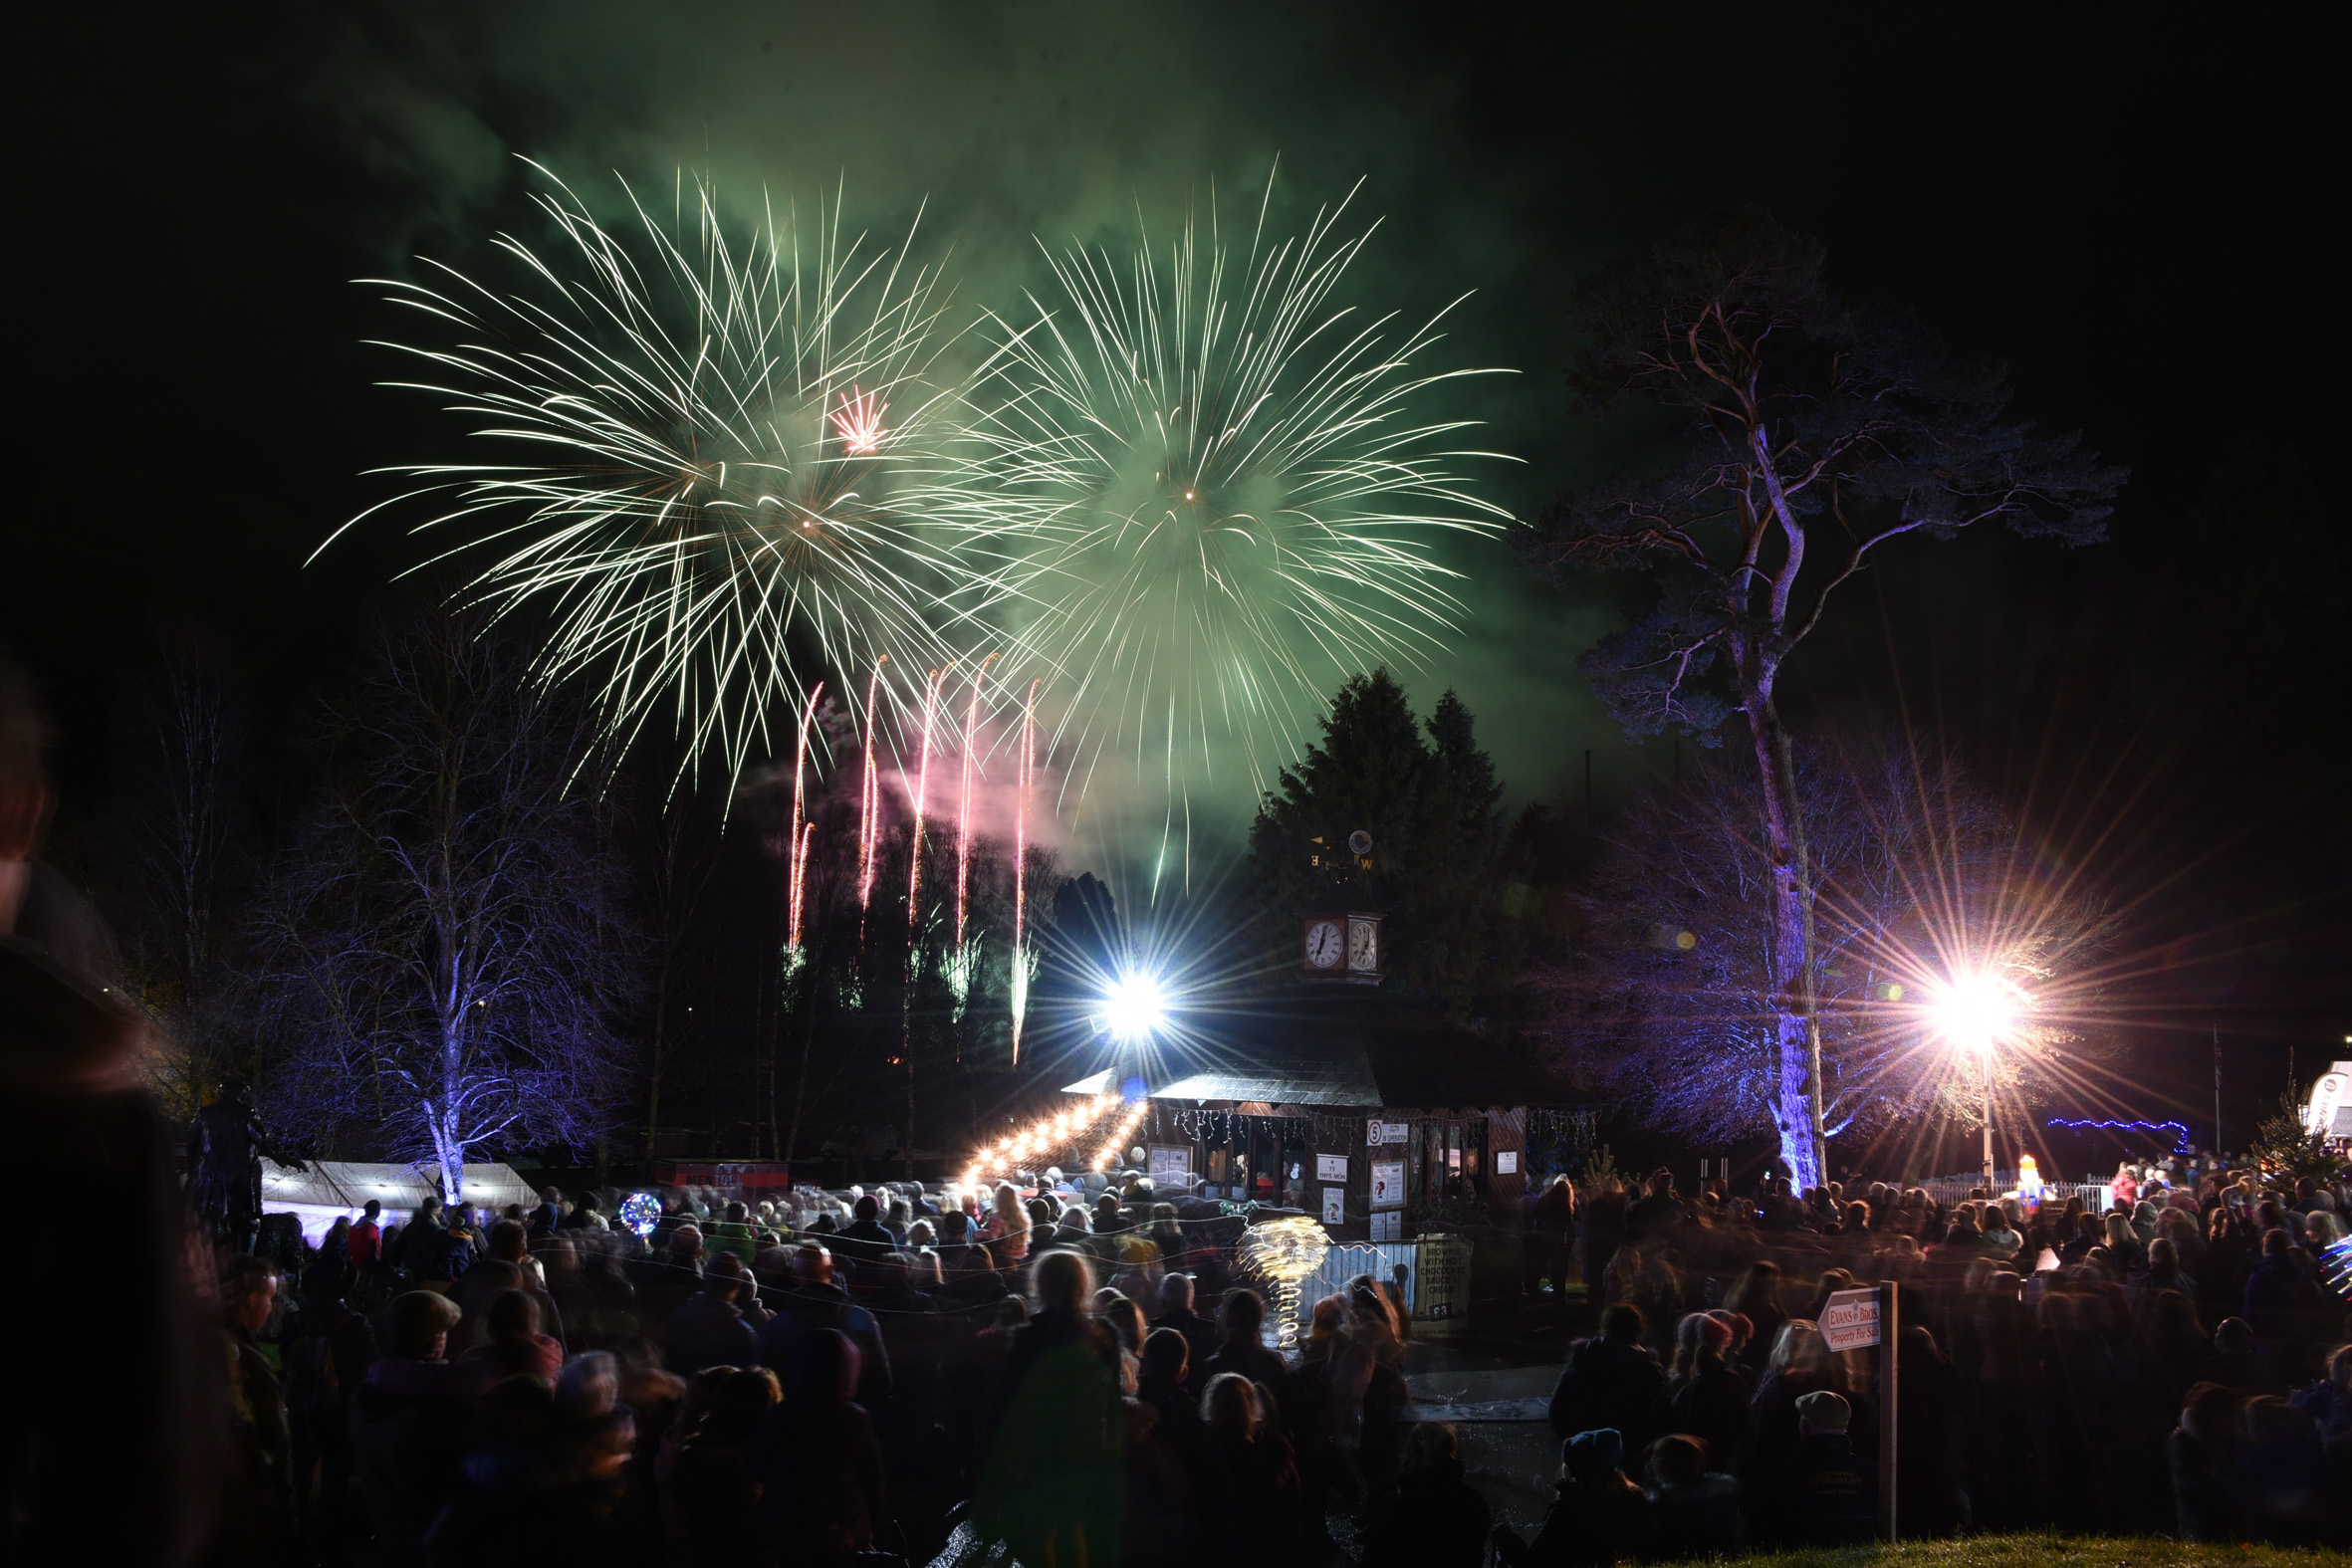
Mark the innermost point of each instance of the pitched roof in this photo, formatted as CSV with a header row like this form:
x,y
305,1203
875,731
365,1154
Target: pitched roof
x,y
1339,1045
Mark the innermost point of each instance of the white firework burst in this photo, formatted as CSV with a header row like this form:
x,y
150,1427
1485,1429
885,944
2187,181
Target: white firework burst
x,y
718,465
1212,494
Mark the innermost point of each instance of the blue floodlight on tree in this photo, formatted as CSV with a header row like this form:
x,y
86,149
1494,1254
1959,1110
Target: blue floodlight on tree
x,y
2180,1133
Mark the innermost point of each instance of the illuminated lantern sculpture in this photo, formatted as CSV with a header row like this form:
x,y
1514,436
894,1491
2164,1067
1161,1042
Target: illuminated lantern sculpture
x,y
2028,1183
1285,1252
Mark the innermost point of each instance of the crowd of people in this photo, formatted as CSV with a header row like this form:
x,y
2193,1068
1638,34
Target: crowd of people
x,y
893,1373
909,1373
2174,1365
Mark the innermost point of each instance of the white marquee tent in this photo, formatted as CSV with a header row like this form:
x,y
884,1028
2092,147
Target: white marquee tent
x,y
331,1189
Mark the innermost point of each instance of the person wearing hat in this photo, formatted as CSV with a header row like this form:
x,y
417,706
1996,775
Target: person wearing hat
x,y
1837,1491
410,1423
1599,1516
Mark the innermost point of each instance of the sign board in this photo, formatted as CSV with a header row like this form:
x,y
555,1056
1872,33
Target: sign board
x,y
2328,1096
1505,1162
1384,1134
1850,1320
1334,1206
1441,1287
1388,1183
1171,1163
1388,1227
1331,1168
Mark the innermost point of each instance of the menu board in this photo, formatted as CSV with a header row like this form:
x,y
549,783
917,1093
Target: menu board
x,y
1388,1183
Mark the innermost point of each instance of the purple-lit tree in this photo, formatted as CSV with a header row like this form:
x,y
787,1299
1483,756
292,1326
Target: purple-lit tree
x,y
448,964
1672,993
1805,435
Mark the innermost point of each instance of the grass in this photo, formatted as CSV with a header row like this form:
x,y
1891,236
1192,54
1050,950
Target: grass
x,y
2052,1551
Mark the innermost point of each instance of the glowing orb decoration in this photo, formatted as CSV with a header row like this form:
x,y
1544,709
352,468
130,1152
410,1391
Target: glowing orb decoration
x,y
640,1211
1283,1252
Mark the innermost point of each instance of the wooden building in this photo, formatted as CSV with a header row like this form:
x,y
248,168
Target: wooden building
x,y
1339,1099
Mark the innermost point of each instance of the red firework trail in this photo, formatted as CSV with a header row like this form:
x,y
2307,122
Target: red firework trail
x,y
914,868
870,799
796,845
801,877
1023,775
1029,720
964,800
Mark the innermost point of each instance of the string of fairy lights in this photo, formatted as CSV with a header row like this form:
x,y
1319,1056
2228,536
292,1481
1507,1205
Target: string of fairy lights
x,y
1067,1129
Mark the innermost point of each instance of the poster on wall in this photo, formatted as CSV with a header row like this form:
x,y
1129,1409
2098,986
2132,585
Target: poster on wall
x,y
1331,1168
1388,1183
1389,1226
1170,1165
1334,1206
1385,1134
1506,1161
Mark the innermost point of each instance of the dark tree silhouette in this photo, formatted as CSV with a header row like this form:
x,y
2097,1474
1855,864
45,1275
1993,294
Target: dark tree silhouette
x,y
1432,807
448,966
1807,435
173,879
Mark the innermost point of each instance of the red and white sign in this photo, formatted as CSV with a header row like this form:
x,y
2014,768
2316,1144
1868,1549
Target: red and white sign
x,y
1850,1320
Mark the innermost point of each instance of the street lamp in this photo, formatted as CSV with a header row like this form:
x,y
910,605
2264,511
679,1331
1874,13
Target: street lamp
x,y
1973,1010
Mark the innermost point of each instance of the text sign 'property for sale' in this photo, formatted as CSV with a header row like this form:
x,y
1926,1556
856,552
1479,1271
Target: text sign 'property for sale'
x,y
1850,1320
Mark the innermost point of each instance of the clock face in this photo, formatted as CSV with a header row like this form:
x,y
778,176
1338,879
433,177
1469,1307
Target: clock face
x,y
1322,944
1363,944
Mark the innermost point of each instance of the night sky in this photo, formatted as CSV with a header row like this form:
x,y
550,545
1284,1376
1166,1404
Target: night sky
x,y
2132,215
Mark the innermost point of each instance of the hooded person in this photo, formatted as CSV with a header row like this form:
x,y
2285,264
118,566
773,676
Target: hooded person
x,y
1598,1517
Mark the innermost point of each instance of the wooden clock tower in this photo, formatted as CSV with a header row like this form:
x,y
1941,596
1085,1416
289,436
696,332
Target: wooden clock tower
x,y
1341,944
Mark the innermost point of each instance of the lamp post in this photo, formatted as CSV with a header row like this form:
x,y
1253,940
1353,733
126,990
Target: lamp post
x,y
1973,1010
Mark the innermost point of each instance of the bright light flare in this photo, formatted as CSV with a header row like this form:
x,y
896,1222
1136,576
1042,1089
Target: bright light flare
x,y
1975,1009
1135,1008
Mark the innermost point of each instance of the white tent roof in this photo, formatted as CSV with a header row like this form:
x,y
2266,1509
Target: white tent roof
x,y
347,1185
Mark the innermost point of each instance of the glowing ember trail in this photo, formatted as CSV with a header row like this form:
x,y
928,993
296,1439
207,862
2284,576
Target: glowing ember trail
x,y
1023,967
859,421
801,881
869,799
964,801
797,846
914,859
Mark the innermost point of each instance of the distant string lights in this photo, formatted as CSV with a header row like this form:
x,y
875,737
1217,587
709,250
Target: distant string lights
x,y
1118,1138
2179,1131
1062,1130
